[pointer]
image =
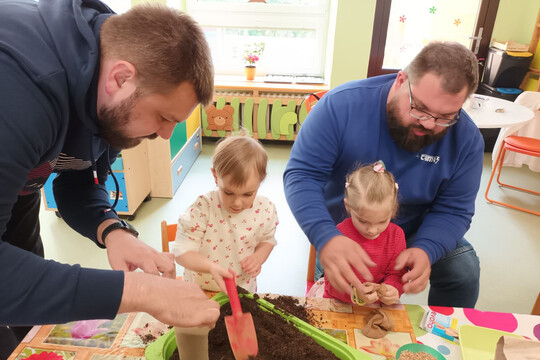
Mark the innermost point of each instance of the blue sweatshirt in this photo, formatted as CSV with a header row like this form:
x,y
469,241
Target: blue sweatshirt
x,y
49,64
347,127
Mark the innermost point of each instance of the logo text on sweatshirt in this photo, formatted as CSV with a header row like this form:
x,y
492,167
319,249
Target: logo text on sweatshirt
x,y
430,158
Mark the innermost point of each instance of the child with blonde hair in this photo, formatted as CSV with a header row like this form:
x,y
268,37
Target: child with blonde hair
x,y
371,200
230,227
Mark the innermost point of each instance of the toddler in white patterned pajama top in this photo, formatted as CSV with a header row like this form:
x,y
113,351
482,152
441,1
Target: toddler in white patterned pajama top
x,y
229,227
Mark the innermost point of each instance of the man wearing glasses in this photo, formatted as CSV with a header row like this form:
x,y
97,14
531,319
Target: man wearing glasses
x,y
412,121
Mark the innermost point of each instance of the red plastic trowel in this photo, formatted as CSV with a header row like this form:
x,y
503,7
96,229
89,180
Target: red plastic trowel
x,y
240,326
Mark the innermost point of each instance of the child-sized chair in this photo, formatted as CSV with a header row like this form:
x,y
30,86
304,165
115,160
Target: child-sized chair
x,y
520,148
168,234
310,279
536,307
522,145
313,99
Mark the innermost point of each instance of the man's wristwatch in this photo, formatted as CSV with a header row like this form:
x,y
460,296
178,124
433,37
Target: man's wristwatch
x,y
115,226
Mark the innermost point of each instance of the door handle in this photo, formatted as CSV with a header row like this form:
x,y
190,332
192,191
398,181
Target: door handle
x,y
477,38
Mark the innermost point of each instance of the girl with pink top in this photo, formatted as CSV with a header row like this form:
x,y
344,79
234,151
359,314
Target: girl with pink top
x,y
371,198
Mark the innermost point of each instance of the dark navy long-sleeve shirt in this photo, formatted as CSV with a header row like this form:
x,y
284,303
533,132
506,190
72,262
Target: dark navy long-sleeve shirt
x,y
49,62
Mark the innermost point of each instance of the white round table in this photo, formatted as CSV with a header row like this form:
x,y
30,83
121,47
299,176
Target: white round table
x,y
497,113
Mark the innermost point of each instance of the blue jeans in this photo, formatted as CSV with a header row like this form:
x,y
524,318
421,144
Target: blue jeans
x,y
454,280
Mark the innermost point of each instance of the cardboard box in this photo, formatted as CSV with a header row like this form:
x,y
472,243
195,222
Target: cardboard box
x,y
509,45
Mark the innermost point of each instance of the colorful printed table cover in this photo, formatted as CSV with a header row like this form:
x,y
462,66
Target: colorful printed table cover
x,y
527,326
127,336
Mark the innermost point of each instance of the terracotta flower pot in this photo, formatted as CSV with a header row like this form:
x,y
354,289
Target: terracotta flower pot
x,y
250,72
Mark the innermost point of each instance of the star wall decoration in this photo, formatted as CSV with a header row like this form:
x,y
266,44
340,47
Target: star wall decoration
x,y
432,10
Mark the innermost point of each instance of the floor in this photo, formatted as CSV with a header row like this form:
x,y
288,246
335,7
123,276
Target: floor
x,y
507,241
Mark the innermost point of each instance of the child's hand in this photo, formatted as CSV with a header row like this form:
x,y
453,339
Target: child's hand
x,y
391,296
251,265
218,273
367,293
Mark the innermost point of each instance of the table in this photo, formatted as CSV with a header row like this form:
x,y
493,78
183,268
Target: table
x,y
497,113
123,337
520,324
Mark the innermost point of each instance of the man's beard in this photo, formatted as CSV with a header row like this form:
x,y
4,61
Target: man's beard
x,y
113,120
404,135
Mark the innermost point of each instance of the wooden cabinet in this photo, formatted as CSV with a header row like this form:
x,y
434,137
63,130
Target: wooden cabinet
x,y
131,170
170,160
153,168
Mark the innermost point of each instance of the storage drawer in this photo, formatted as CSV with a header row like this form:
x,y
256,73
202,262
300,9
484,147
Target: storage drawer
x,y
178,139
185,159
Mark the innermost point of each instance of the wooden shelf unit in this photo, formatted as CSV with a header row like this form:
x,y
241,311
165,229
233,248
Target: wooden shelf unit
x,y
131,170
271,111
170,160
153,168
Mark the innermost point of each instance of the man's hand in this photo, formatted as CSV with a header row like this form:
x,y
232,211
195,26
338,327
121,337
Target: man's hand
x,y
338,257
417,261
126,252
173,302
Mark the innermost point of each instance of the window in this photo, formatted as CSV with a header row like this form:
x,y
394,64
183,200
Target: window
x,y
294,33
414,23
403,27
118,6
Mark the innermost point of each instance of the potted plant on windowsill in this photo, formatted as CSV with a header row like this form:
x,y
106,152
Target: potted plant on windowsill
x,y
251,56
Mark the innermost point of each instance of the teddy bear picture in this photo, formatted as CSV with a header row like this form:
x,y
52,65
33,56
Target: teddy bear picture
x,y
220,119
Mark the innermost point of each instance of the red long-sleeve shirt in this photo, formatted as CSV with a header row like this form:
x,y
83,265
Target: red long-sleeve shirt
x,y
382,250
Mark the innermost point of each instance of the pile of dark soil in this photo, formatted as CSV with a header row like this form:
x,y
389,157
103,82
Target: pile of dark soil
x,y
291,305
277,338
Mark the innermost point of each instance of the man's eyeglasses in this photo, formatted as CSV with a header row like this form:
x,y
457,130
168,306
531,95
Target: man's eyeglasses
x,y
423,115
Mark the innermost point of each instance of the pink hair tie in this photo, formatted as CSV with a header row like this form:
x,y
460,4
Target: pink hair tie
x,y
379,167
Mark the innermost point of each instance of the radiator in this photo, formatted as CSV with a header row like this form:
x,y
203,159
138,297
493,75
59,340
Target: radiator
x,y
266,114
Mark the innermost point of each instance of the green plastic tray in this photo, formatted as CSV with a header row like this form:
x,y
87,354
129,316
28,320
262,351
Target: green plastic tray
x,y
163,348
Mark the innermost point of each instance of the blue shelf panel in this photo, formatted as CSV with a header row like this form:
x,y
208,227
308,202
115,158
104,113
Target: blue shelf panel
x,y
122,205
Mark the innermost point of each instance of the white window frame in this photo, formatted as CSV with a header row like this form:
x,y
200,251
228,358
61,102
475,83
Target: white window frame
x,y
118,6
312,16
